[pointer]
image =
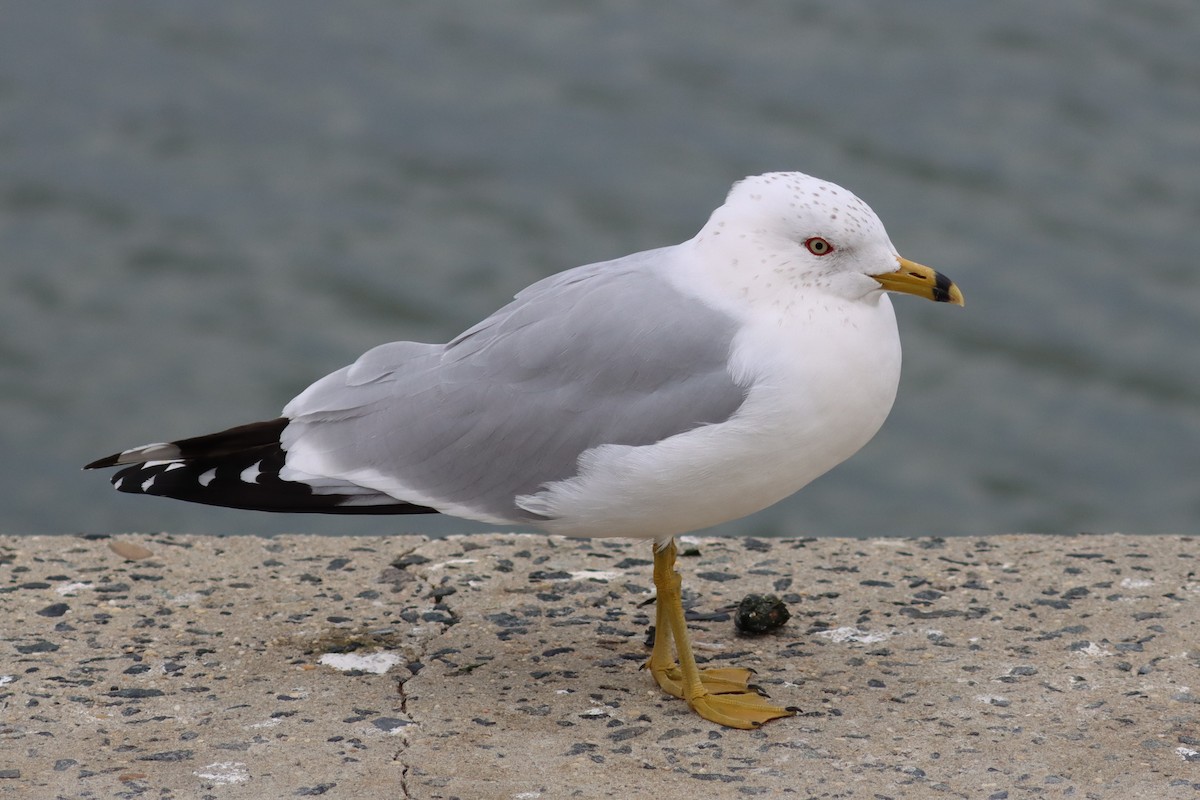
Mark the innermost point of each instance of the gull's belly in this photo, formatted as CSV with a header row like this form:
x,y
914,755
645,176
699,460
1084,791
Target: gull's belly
x,y
805,413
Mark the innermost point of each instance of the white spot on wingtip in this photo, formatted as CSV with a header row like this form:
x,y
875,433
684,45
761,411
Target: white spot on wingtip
x,y
207,477
146,484
250,474
162,461
163,450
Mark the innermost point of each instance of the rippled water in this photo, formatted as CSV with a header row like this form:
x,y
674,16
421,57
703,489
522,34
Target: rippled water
x,y
204,206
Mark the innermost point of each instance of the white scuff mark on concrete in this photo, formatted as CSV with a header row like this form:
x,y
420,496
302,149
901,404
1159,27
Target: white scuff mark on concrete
x,y
1187,753
266,723
224,772
395,729
993,699
527,796
851,634
7,679
595,711
1094,650
453,562
596,575
377,663
72,588
1136,583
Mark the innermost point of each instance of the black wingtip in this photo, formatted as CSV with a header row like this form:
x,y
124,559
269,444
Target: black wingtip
x,y
209,446
224,482
237,468
107,461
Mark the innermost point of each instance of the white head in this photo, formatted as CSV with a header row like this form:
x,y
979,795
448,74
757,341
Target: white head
x,y
786,232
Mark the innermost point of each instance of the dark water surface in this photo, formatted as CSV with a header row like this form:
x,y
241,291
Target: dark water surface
x,y
205,206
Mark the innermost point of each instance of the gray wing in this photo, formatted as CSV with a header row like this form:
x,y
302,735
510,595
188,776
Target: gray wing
x,y
604,354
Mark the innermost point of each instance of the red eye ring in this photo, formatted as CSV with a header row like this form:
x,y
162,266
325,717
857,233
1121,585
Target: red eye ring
x,y
818,246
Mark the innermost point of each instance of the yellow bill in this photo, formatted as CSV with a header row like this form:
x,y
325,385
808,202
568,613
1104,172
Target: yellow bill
x,y
918,279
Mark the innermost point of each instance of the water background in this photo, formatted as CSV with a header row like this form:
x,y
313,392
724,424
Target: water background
x,y
205,206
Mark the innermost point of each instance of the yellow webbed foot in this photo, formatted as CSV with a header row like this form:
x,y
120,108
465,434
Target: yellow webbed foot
x,y
738,710
724,680
722,695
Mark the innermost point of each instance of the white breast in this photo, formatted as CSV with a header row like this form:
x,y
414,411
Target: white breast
x,y
820,388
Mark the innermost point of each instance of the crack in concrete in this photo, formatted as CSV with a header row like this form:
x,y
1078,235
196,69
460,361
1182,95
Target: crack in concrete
x,y
399,568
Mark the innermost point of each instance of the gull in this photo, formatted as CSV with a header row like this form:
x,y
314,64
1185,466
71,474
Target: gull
x,y
648,396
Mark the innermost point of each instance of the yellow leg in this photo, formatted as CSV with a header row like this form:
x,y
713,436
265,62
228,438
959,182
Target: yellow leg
x,y
723,696
662,664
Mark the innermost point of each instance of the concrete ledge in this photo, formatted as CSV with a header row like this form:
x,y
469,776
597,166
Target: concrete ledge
x,y
506,666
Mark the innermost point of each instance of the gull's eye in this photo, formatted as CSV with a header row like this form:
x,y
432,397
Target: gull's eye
x,y
818,246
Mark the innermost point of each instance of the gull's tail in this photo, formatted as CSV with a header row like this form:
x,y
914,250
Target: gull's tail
x,y
239,468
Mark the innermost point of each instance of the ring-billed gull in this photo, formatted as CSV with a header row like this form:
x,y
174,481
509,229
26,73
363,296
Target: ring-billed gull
x,y
648,396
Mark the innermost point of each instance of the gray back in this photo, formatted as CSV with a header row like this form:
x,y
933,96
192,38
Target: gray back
x,y
604,354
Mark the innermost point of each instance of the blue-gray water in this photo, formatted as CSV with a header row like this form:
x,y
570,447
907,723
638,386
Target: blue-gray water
x,y
205,206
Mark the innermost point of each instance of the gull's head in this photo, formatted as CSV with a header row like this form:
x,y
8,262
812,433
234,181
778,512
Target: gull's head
x,y
789,231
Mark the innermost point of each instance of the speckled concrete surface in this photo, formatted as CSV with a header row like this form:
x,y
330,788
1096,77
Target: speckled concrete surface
x,y
505,666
